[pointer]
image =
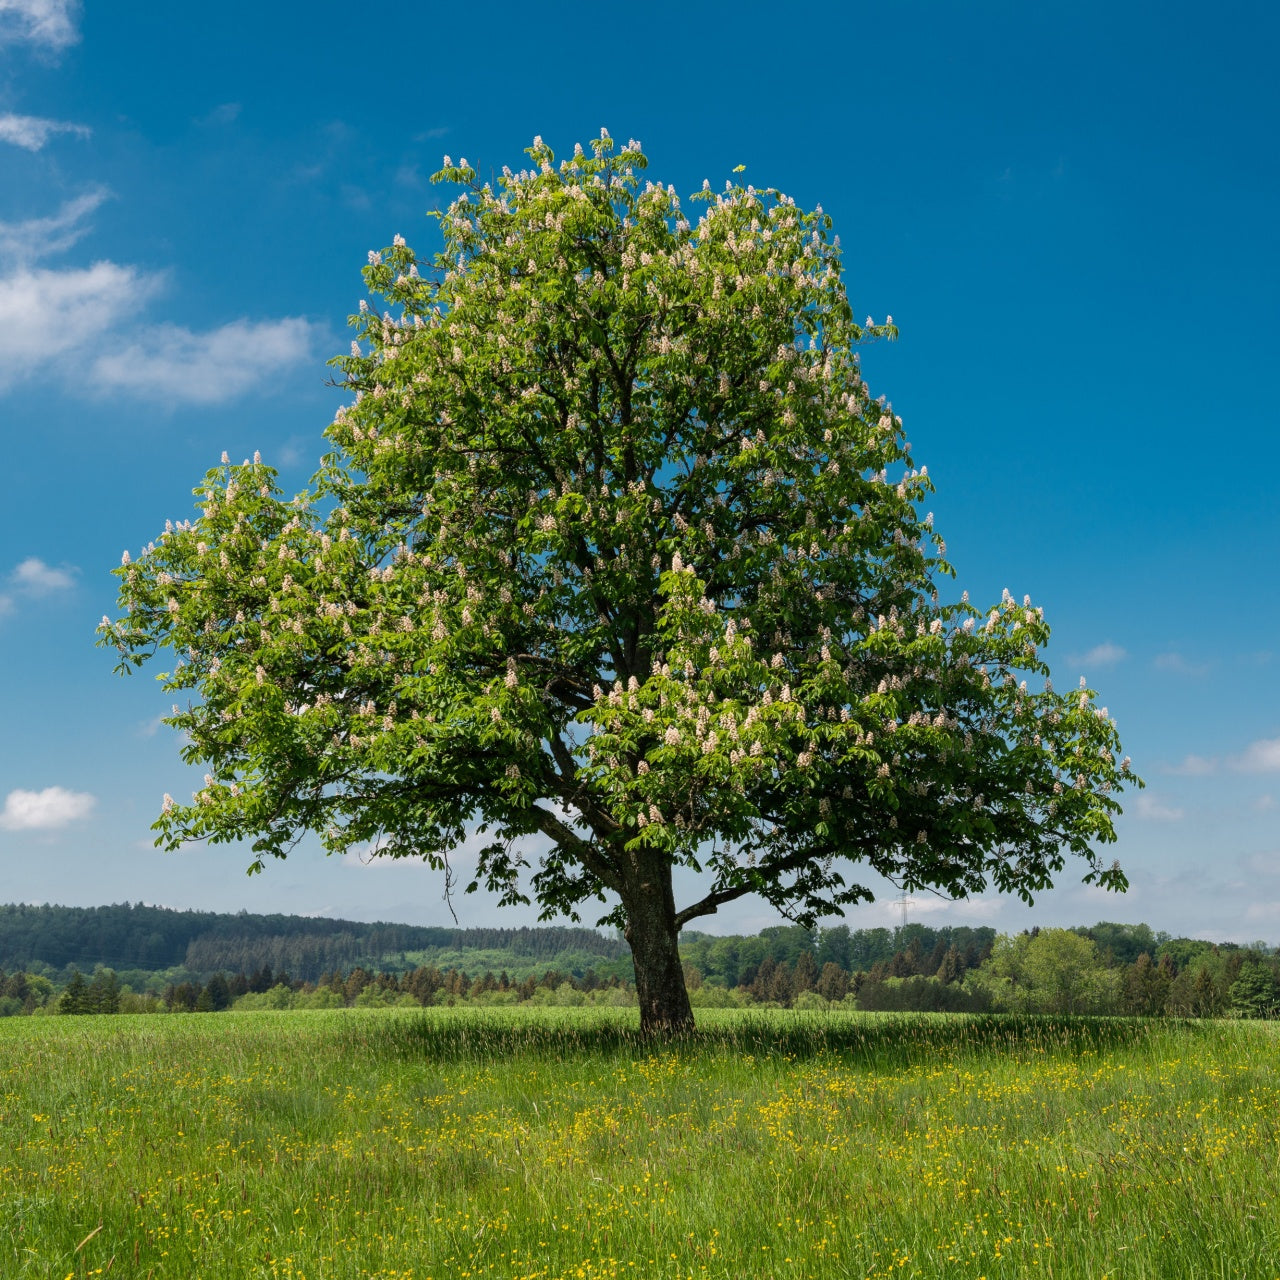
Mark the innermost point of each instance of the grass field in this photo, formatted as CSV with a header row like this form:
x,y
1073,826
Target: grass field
x,y
435,1143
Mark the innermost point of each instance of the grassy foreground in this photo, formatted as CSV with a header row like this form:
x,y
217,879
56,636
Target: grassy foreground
x,y
435,1143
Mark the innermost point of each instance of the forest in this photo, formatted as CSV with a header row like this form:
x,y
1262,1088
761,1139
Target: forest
x,y
78,960
145,939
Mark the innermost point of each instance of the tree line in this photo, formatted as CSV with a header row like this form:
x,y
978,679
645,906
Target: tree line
x,y
104,993
128,936
1104,969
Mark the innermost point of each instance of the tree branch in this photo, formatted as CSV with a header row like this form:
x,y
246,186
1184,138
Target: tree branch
x,y
583,851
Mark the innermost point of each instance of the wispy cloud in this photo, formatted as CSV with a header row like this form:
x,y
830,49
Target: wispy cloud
x,y
409,175
35,238
1193,766
32,132
36,578
44,314
223,114
1179,665
47,313
52,24
1101,655
928,905
45,810
176,365
294,451
1152,809
1262,756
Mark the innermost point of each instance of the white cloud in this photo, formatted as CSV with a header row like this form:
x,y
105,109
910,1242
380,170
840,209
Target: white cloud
x,y
367,856
46,22
1101,655
44,810
1265,864
1193,766
44,314
39,579
174,364
1179,665
32,132
1262,756
1152,809
928,904
36,238
34,578
293,452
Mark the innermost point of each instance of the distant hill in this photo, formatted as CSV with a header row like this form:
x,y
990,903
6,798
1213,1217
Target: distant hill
x,y
137,937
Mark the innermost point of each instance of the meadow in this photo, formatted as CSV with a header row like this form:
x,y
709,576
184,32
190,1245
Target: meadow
x,y
415,1144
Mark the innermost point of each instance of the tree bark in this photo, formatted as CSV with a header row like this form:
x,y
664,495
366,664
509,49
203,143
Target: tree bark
x,y
651,930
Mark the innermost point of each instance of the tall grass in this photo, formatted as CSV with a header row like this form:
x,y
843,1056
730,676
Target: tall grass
x,y
559,1143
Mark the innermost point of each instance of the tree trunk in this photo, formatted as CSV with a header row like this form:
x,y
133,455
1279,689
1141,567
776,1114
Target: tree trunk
x,y
651,930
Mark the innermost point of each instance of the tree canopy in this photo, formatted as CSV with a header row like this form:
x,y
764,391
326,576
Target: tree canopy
x,y
614,544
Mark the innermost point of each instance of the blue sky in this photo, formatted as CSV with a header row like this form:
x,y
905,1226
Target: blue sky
x,y
1069,213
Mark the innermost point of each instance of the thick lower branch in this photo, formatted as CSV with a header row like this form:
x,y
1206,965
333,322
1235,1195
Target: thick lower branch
x,y
584,851
711,904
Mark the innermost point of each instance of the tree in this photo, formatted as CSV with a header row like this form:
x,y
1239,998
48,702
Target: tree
x,y
806,972
1144,987
951,968
833,982
1046,971
1255,993
615,546
218,989
834,946
103,994
75,995
1067,974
